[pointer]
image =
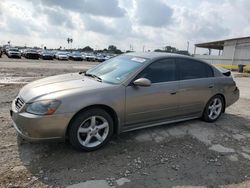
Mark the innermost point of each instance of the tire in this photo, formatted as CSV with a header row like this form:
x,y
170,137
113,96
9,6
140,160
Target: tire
x,y
214,108
90,130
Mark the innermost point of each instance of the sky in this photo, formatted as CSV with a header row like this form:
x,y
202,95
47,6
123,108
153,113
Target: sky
x,y
148,24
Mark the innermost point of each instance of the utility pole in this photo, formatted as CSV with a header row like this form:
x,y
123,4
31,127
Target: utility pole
x,y
187,45
143,48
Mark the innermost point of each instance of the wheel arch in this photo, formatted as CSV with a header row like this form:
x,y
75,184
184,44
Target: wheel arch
x,y
106,108
224,100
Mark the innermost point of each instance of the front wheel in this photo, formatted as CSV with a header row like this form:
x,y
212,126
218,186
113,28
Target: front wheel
x,y
90,130
213,109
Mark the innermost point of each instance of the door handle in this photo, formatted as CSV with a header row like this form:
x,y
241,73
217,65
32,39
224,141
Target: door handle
x,y
211,86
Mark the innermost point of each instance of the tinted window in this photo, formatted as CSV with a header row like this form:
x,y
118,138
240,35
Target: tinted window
x,y
160,71
191,69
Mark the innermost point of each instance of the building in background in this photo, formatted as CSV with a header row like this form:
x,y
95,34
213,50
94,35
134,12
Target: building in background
x,y
230,51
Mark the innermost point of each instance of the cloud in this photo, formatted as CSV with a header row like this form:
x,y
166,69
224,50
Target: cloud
x,y
153,13
99,23
205,23
108,8
58,17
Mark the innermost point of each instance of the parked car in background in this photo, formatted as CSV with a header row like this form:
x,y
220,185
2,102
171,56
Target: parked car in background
x,y
84,55
46,55
5,49
13,53
22,52
128,92
31,54
76,56
62,55
90,57
54,53
100,58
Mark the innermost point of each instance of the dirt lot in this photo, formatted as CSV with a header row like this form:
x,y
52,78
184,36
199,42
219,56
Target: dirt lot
x,y
188,154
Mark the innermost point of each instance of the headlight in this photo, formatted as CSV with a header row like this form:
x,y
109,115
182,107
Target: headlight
x,y
45,107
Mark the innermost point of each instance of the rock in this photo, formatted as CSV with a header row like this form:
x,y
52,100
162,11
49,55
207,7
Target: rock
x,y
238,137
122,181
213,160
91,183
18,169
127,173
221,149
46,178
233,158
41,172
175,167
246,156
246,149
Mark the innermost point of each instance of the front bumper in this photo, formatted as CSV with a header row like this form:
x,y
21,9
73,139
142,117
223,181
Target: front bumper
x,y
15,56
77,58
63,58
34,127
47,57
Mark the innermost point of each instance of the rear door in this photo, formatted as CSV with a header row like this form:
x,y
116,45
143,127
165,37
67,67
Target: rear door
x,y
196,85
157,102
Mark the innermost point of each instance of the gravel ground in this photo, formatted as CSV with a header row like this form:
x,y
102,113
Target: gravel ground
x,y
187,154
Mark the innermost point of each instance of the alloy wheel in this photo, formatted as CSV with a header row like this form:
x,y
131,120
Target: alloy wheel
x,y
215,108
93,131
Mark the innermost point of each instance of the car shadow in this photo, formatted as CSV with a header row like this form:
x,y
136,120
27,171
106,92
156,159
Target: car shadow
x,y
57,163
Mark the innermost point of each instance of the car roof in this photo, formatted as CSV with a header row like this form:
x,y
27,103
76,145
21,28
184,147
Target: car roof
x,y
155,55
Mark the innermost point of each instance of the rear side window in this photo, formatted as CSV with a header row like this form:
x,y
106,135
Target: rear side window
x,y
191,69
160,71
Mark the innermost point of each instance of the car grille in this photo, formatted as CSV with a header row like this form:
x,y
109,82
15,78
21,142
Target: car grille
x,y
19,103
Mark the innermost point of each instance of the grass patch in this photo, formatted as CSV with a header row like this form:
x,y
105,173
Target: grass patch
x,y
233,67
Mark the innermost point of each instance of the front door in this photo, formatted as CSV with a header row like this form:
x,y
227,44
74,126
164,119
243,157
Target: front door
x,y
159,101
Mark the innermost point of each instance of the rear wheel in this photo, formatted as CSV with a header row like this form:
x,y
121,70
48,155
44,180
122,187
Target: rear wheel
x,y
214,109
91,130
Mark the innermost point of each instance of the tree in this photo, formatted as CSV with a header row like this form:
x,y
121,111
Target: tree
x,y
113,49
170,49
159,50
87,49
69,40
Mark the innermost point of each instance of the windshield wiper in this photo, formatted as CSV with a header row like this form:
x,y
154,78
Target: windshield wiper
x,y
93,76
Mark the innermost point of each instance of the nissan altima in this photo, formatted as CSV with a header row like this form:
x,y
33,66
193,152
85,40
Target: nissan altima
x,y
128,92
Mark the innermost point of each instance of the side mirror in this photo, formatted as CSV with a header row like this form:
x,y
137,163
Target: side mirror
x,y
142,82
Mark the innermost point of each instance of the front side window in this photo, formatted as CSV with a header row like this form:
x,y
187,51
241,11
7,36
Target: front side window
x,y
191,69
160,71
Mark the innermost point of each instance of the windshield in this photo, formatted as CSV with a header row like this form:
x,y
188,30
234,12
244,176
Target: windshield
x,y
118,69
62,53
13,49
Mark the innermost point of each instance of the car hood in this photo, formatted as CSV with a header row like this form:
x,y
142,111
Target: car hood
x,y
60,83
14,52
